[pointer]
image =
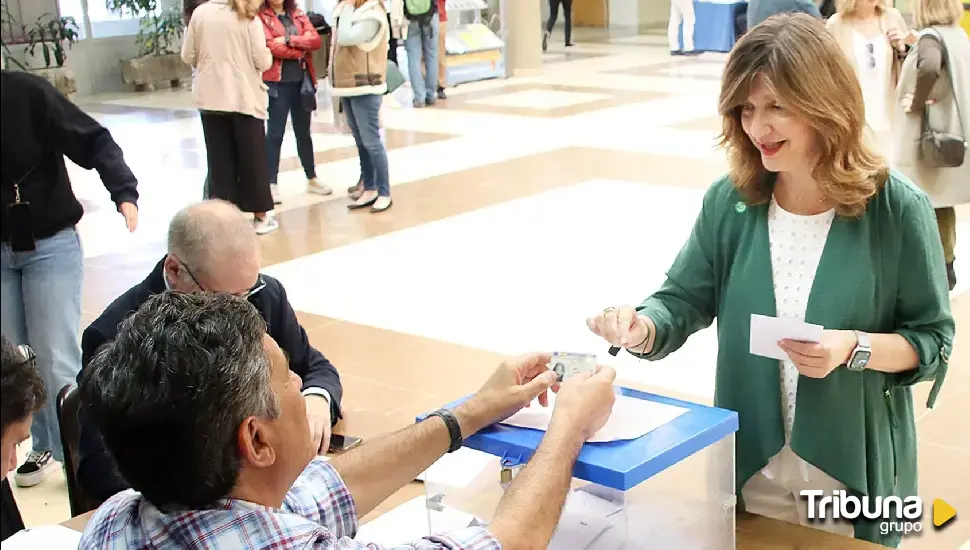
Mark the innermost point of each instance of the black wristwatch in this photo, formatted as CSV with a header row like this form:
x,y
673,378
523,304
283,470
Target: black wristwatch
x,y
454,428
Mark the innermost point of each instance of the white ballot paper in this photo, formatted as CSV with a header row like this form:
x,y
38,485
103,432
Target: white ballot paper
x,y
48,537
409,522
631,418
766,332
458,469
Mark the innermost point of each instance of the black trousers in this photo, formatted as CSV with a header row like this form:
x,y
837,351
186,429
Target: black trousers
x,y
236,152
567,8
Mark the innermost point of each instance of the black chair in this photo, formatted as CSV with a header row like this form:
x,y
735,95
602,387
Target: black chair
x,y
68,403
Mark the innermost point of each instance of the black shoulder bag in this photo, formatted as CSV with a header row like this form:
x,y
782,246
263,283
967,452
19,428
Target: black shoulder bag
x,y
943,149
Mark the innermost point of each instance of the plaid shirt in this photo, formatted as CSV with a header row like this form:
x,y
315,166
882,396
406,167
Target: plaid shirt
x,y
318,513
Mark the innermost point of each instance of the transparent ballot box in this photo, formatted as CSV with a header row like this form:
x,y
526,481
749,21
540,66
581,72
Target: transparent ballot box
x,y
671,488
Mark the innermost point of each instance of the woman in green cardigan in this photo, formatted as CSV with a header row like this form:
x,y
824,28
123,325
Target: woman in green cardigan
x,y
808,225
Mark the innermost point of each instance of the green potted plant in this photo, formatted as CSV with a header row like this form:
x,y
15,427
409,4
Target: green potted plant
x,y
14,33
53,36
45,45
158,41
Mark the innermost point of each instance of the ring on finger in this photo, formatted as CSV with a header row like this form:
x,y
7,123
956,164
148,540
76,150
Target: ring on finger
x,y
609,310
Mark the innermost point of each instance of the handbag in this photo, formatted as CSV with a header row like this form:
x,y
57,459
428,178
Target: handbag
x,y
308,90
942,149
394,78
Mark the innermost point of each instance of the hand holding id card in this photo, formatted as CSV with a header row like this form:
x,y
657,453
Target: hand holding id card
x,y
566,364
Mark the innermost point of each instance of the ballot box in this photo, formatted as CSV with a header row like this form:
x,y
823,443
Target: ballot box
x,y
671,487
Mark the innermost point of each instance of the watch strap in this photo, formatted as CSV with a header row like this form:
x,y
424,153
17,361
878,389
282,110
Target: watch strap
x,y
454,428
863,340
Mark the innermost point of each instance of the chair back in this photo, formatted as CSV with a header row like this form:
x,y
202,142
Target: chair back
x,y
68,403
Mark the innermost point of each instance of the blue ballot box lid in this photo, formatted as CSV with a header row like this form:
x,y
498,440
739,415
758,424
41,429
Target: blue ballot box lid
x,y
620,465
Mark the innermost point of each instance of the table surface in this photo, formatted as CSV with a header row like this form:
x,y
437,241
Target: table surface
x,y
753,532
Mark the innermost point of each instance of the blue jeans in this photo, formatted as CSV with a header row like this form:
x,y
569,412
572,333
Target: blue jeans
x,y
41,307
362,117
422,40
285,99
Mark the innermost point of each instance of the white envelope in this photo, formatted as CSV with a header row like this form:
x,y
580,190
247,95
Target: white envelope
x,y
766,332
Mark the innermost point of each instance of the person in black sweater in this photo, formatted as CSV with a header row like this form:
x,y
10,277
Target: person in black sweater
x,y
41,261
211,248
23,395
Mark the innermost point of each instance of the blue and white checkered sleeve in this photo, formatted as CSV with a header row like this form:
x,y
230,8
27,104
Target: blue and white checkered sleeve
x,y
321,496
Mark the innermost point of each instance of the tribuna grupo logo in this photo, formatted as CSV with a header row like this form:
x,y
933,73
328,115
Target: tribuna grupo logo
x,y
897,514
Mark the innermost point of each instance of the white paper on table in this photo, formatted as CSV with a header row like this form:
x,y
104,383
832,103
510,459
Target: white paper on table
x,y
631,418
52,537
409,522
766,332
458,469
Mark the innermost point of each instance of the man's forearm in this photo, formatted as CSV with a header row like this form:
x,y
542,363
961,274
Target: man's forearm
x,y
377,469
528,515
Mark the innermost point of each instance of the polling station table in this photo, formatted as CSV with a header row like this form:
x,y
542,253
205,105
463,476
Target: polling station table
x,y
714,24
676,482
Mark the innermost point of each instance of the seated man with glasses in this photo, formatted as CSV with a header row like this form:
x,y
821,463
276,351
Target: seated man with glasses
x,y
212,248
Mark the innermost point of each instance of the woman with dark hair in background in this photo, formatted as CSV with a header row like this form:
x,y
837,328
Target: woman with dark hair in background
x,y
225,43
292,38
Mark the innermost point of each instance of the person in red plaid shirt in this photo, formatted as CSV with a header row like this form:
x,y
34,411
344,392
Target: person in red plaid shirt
x,y
206,422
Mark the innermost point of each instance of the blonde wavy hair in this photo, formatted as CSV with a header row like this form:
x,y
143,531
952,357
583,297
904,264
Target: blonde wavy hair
x,y
937,13
803,65
847,7
246,9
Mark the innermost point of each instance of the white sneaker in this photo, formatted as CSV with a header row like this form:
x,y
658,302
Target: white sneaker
x,y
275,191
266,225
317,188
35,470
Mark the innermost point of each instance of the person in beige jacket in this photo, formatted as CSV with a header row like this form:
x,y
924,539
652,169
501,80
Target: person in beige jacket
x,y
225,44
874,36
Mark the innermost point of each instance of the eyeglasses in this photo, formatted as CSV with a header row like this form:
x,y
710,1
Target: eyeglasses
x,y
871,49
260,284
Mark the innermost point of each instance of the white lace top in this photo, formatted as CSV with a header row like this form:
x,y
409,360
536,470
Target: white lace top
x,y
796,244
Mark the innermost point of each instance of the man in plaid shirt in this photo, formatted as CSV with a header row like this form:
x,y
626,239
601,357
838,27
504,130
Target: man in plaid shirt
x,y
206,422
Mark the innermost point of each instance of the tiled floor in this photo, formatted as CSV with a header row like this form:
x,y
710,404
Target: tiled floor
x,y
521,206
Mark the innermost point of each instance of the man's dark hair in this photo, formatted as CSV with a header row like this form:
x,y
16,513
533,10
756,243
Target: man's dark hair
x,y
170,392
23,389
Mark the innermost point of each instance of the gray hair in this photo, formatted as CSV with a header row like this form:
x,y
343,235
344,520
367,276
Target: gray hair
x,y
202,230
177,382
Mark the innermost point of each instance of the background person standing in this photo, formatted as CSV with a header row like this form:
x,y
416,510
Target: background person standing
x,y
421,45
41,260
225,44
292,38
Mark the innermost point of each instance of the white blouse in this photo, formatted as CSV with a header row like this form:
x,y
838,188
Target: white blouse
x,y
796,245
874,74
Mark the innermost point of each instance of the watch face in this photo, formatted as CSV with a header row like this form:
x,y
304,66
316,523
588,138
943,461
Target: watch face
x,y
860,360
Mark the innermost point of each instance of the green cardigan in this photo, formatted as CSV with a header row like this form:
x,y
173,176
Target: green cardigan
x,y
879,273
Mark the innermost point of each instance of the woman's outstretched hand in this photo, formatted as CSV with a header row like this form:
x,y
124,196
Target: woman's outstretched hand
x,y
620,326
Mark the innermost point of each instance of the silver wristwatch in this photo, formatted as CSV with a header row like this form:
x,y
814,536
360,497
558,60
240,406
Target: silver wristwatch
x,y
861,354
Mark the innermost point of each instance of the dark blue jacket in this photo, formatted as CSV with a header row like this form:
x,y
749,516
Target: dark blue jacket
x,y
97,474
759,10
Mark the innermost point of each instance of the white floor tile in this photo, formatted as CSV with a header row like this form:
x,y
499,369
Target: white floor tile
x,y
520,276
